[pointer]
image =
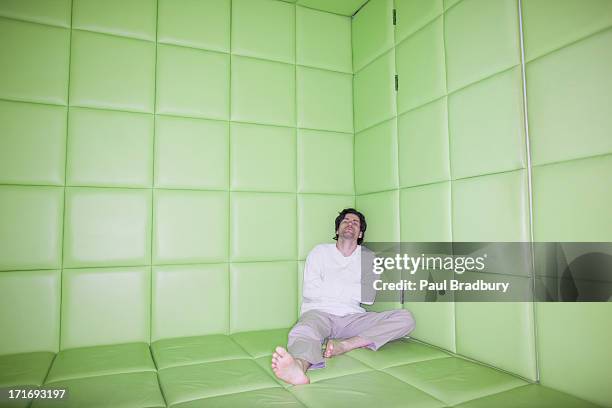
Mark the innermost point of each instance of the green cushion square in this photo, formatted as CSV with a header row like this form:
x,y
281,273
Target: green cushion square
x,y
486,136
30,237
481,39
324,99
382,213
261,342
179,219
107,148
100,360
264,29
268,397
25,368
376,158
319,155
130,18
192,82
413,15
262,91
106,227
195,23
263,227
423,81
183,298
316,216
323,40
194,350
425,213
186,383
33,143
374,92
423,145
262,295
402,351
342,7
372,32
112,72
35,294
454,380
37,68
38,11
262,158
191,153
104,306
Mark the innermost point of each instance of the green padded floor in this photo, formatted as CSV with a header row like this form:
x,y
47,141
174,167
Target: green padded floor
x,y
234,371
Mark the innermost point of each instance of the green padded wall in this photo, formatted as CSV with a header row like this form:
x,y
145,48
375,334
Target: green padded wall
x,y
166,164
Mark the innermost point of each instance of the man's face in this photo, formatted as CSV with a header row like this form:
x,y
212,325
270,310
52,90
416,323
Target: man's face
x,y
350,227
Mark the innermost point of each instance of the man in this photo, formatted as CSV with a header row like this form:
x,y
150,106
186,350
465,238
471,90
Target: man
x,y
332,293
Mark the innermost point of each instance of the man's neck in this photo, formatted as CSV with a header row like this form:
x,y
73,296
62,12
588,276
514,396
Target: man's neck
x,y
346,247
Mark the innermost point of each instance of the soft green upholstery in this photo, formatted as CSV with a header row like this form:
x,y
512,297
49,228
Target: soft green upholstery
x,y
167,165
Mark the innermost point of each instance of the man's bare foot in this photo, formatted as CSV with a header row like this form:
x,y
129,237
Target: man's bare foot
x,y
288,368
334,348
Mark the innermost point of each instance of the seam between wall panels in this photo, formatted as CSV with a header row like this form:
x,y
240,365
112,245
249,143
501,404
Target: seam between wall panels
x,y
296,271
228,328
529,188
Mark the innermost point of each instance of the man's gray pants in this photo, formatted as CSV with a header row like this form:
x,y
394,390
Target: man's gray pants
x,y
307,336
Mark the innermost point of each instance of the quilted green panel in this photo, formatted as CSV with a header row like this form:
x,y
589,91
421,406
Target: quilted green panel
x,y
38,11
435,323
24,368
191,350
425,213
382,213
184,298
397,352
34,295
343,7
372,32
376,158
130,18
261,342
31,233
412,15
33,143
267,397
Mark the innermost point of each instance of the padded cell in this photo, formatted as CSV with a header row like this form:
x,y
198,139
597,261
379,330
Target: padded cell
x,y
105,227
189,300
105,306
491,208
501,334
192,82
568,192
342,7
263,91
112,72
131,18
316,215
397,352
101,360
551,24
481,39
529,396
194,350
420,66
374,92
34,62
423,145
262,158
31,233
486,125
425,213
323,40
376,166
558,85
412,15
120,390
24,369
373,388
372,31
382,213
264,29
33,143
454,380
187,383
38,11
199,24
191,153
107,148
325,162
267,397
262,342
29,312
324,100
180,217
263,227
435,322
262,295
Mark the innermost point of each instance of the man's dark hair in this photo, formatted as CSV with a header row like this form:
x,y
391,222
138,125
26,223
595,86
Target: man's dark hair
x,y
362,222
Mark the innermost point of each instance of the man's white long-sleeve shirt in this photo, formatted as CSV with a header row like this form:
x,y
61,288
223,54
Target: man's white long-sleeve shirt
x,y
333,282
